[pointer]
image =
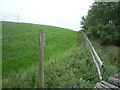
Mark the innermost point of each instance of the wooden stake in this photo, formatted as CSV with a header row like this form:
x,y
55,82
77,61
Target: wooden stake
x,y
41,59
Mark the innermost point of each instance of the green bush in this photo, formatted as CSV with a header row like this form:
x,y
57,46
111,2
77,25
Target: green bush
x,y
103,22
105,33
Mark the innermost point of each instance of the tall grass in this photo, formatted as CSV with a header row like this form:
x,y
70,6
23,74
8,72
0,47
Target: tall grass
x,y
71,69
109,55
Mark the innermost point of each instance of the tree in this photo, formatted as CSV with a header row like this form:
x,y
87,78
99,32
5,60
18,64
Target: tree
x,y
103,22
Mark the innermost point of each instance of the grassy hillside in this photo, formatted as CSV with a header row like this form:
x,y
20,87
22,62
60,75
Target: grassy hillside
x,y
20,44
68,62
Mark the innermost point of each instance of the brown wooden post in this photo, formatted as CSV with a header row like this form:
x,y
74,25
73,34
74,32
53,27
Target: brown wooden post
x,y
40,59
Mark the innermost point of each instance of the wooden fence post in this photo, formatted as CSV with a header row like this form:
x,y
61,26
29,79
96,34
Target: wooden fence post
x,y
40,59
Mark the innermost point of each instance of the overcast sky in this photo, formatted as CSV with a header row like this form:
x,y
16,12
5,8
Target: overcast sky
x,y
61,13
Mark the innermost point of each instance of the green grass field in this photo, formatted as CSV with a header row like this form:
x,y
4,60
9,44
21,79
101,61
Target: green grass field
x,y
67,62
20,44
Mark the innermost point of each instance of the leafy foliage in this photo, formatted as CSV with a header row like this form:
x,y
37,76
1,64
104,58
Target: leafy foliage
x,y
103,22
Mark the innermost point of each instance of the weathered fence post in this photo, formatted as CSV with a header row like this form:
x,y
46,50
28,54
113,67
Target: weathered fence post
x,y
40,59
96,58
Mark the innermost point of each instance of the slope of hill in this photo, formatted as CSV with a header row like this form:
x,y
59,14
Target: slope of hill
x,y
20,44
68,62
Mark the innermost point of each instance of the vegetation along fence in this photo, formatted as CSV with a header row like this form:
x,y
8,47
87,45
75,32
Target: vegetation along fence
x,y
97,61
96,58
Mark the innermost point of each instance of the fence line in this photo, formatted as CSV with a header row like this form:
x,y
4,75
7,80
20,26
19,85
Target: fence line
x,y
96,58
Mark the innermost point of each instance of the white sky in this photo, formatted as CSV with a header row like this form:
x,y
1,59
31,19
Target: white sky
x,y
61,13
